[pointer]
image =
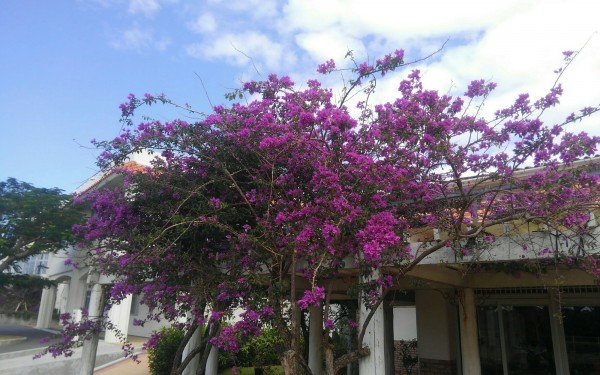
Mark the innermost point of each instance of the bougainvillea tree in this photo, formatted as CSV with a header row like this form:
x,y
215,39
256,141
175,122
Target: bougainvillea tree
x,y
257,206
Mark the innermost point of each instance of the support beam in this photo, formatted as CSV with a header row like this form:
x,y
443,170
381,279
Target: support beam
x,y
62,296
77,291
468,333
212,363
192,367
88,355
374,338
119,317
315,343
568,277
438,274
46,307
388,331
558,334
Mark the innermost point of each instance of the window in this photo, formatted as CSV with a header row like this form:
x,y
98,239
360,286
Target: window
x,y
582,338
515,340
135,305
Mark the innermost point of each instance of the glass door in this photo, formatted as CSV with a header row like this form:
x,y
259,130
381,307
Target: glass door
x,y
582,338
515,340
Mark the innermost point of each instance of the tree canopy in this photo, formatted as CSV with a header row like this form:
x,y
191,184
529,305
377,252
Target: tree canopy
x,y
260,205
33,221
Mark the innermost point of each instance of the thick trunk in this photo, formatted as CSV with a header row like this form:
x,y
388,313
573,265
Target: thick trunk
x,y
178,367
346,359
289,363
329,363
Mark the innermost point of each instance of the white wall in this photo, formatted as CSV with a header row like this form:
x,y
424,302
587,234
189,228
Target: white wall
x,y
405,323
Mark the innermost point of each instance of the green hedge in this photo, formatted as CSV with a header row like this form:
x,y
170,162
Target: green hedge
x,y
161,357
263,350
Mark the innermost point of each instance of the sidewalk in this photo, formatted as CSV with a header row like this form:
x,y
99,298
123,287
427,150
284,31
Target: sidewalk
x,y
126,366
17,358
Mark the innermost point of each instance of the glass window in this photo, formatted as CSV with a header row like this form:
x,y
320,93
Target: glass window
x,y
582,336
490,347
135,305
515,339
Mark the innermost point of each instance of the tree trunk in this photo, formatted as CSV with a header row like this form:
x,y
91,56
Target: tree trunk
x,y
346,359
328,350
289,362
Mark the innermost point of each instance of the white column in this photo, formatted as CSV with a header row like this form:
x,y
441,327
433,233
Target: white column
x,y
212,364
118,315
88,355
374,338
468,333
46,307
95,310
315,340
388,329
77,291
558,334
192,367
62,297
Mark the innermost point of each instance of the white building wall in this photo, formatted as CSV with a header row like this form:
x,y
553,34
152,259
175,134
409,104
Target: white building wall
x,y
149,326
405,323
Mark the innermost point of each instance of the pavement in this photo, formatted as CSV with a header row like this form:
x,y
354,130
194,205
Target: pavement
x,y
32,337
125,366
17,358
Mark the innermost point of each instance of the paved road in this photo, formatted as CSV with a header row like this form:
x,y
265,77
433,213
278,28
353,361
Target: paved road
x,y
33,338
22,362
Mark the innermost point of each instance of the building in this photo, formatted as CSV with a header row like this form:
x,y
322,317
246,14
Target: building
x,y
75,280
502,309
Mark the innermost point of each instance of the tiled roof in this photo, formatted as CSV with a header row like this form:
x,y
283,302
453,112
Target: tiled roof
x,y
94,181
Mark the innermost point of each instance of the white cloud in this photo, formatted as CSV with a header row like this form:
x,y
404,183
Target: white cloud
x,y
204,23
333,44
258,9
146,7
398,20
244,49
139,39
516,43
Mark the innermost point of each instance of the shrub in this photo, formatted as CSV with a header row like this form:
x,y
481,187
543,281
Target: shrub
x,y
262,350
161,357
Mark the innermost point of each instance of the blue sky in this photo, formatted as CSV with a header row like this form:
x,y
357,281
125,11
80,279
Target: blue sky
x,y
67,65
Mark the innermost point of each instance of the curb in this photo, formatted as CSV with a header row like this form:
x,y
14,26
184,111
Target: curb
x,y
116,361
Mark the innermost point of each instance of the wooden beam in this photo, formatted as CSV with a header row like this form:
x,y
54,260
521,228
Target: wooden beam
x,y
440,274
552,278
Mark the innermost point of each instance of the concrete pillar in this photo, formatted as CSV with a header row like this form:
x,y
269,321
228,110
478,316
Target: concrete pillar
x,y
558,334
77,291
374,338
388,330
118,315
90,346
468,333
352,368
96,310
212,364
46,307
192,367
62,297
315,340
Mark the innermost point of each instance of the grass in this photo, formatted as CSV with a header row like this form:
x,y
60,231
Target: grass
x,y
5,337
270,370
